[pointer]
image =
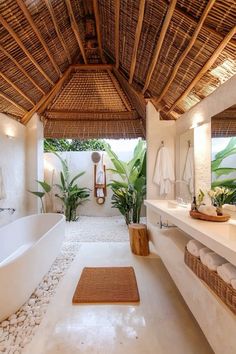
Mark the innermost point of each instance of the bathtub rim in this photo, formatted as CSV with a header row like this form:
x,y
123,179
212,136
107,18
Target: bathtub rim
x,y
61,219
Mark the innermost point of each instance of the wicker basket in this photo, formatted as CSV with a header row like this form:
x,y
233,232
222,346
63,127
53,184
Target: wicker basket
x,y
225,291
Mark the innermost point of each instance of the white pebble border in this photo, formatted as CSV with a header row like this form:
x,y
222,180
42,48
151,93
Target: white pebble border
x,y
18,330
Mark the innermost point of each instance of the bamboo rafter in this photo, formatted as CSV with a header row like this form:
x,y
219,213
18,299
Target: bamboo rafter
x,y
186,51
160,41
16,88
57,29
5,97
137,38
206,67
8,55
23,48
75,29
29,18
117,34
98,25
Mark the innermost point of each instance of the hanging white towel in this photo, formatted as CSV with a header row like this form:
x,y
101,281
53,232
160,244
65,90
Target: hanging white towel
x,y
100,178
188,175
2,188
164,171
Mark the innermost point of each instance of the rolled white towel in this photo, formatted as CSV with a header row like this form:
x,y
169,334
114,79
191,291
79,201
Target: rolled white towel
x,y
203,252
213,260
233,283
193,246
227,272
207,210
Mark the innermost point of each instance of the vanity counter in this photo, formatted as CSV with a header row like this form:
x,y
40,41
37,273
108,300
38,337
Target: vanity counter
x,y
218,236
216,320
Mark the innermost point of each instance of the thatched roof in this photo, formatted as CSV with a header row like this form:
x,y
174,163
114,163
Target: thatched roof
x,y
174,53
224,124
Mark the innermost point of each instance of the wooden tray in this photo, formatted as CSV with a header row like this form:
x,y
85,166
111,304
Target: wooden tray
x,y
197,215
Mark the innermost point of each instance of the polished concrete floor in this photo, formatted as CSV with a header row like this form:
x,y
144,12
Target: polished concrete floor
x,y
160,324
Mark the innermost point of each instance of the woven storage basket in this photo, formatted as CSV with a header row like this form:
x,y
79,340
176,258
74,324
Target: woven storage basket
x,y
225,291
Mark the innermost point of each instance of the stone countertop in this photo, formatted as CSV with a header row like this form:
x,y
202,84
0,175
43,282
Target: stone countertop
x,y
218,236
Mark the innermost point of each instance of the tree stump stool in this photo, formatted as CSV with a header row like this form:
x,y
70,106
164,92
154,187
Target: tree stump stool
x,y
138,237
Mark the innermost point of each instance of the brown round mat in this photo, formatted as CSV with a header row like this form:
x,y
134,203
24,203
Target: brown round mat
x,y
106,284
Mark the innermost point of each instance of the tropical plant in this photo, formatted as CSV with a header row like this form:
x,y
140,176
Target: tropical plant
x,y
46,189
129,191
52,145
71,194
219,171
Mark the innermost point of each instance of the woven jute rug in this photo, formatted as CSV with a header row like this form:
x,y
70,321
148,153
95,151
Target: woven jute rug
x,y
106,285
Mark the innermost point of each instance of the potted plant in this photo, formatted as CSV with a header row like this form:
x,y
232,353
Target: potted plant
x,y
129,189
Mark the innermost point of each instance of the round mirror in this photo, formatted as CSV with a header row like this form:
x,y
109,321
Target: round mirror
x,y
95,156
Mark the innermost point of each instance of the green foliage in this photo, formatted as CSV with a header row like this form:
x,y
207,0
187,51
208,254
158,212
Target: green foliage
x,y
70,194
130,189
46,189
218,171
53,145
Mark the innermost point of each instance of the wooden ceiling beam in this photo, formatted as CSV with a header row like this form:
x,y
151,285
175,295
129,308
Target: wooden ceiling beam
x,y
206,67
190,18
119,90
89,115
137,38
57,29
160,41
23,48
5,52
12,102
98,29
92,66
29,18
75,29
117,33
15,87
46,99
186,51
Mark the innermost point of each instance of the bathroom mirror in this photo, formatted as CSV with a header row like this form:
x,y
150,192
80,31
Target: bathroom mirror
x,y
185,166
223,154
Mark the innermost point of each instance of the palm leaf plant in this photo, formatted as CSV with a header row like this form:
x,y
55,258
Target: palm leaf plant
x,y
70,194
40,194
129,189
219,171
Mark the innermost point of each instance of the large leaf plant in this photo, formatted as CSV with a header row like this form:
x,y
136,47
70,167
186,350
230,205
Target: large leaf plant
x,y
219,171
70,194
129,189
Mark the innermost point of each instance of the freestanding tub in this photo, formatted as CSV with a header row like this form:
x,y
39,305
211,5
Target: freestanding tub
x,y
28,247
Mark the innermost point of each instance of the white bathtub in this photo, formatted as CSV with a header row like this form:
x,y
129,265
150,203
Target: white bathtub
x,y
28,247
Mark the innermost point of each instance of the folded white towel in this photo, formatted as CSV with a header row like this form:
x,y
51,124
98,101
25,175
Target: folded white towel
x,y
233,283
227,272
193,246
203,252
207,210
213,260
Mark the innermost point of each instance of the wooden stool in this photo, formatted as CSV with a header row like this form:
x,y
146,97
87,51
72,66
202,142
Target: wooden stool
x,y
139,239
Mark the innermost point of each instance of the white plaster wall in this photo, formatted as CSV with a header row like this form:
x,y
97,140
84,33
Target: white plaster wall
x,y
157,130
81,161
12,162
34,161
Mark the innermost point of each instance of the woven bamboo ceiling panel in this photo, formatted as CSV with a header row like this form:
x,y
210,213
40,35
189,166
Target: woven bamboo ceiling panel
x,y
224,124
172,52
